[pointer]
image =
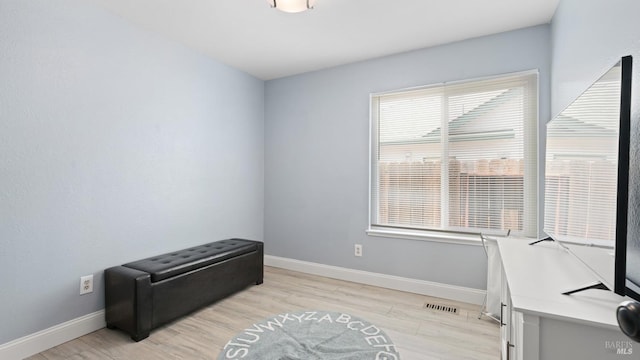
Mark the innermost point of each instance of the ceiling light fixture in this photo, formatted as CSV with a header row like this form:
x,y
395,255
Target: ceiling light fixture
x,y
292,6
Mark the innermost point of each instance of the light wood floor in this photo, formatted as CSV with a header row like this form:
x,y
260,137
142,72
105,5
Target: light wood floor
x,y
418,333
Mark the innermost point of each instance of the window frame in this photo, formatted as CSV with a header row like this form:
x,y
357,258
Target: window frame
x,y
530,192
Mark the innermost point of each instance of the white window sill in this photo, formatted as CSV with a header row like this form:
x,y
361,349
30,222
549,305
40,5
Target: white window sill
x,y
435,236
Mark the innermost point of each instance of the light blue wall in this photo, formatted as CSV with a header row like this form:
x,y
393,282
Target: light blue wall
x,y
588,37
317,155
115,144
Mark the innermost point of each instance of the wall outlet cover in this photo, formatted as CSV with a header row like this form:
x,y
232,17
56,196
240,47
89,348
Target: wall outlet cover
x,y
86,284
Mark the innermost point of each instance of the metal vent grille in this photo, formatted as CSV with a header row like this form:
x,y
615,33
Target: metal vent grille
x,y
443,308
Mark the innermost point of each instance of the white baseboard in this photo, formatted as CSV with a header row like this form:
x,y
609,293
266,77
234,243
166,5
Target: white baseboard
x,y
452,292
42,340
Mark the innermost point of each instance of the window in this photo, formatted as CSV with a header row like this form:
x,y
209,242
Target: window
x,y
458,157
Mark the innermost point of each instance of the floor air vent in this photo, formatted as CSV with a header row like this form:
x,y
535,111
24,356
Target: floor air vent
x,y
443,308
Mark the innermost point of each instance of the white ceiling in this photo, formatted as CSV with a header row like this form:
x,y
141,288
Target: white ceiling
x,y
267,43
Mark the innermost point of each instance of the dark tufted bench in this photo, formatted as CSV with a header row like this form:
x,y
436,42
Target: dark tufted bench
x,y
144,294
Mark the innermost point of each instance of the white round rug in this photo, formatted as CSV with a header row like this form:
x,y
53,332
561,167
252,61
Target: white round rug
x,y
311,335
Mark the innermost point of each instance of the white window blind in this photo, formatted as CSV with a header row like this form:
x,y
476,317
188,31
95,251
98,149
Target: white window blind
x,y
456,157
581,166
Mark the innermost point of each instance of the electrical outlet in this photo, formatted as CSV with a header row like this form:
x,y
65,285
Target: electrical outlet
x,y
86,284
358,250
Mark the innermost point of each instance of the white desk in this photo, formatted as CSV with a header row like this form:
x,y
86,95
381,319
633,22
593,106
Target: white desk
x,y
544,324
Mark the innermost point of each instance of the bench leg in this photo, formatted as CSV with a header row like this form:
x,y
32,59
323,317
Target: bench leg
x,y
139,337
260,263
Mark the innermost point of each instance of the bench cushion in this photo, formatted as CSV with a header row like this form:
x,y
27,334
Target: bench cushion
x,y
178,262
